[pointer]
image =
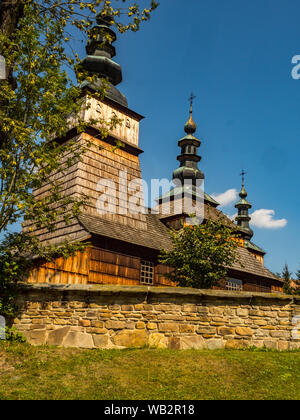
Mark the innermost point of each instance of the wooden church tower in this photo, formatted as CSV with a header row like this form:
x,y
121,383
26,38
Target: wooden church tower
x,y
120,238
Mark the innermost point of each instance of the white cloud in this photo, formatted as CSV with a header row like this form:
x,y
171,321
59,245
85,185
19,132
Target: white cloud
x,y
263,218
226,198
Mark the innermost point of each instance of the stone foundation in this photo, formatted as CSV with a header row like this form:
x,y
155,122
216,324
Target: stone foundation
x,y
122,316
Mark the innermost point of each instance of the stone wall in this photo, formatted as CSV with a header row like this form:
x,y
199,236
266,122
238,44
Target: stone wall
x,y
123,316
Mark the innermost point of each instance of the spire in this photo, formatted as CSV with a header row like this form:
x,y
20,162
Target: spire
x,y
100,50
188,173
191,127
243,207
189,157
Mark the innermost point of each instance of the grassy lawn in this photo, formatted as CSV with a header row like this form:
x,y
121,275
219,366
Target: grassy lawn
x,y
53,373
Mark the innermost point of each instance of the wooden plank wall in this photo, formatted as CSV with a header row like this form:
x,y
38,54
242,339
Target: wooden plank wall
x,y
108,267
97,266
160,276
73,270
112,268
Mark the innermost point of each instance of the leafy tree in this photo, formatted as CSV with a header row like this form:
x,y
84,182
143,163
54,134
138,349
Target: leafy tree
x,y
200,254
39,94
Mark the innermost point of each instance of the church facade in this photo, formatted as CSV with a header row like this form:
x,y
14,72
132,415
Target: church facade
x,y
124,245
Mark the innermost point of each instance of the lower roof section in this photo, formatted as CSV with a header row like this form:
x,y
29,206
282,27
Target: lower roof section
x,y
156,237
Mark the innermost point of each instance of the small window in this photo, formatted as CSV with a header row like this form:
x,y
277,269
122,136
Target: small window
x,y
128,123
234,284
147,272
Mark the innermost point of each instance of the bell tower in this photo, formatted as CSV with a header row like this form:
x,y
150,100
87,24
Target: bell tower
x,y
243,207
113,158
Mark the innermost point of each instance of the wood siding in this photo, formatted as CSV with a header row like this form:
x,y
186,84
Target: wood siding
x,y
73,270
97,266
111,268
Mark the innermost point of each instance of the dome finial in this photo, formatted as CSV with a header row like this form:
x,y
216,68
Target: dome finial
x,y
243,193
190,127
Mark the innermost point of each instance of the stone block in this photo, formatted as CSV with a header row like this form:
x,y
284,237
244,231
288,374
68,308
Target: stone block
x,y
96,331
207,330
35,337
244,331
258,344
158,341
202,310
280,334
151,326
242,312
192,342
78,339
115,325
283,345
226,331
260,322
215,344
102,342
84,323
216,311
168,327
236,344
269,344
284,314
114,307
174,343
97,324
294,346
186,328
190,308
56,337
131,338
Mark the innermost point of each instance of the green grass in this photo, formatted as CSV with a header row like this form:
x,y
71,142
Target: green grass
x,y
54,373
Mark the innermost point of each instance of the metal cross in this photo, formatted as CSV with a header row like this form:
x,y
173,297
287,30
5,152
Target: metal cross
x,y
191,99
243,176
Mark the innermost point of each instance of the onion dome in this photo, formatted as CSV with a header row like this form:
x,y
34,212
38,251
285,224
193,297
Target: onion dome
x,y
189,157
190,127
100,50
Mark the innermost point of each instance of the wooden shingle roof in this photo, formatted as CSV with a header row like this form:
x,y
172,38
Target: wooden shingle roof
x,y
247,263
154,237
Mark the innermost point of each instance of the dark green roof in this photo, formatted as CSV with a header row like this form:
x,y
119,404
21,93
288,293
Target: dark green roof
x,y
243,202
189,191
251,245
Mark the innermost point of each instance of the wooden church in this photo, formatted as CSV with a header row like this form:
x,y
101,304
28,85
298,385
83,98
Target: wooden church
x,y
124,246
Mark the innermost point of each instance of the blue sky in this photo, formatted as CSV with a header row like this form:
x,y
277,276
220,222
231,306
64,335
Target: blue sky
x,y
236,57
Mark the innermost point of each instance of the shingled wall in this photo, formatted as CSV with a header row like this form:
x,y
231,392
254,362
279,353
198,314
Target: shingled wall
x,y
121,316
